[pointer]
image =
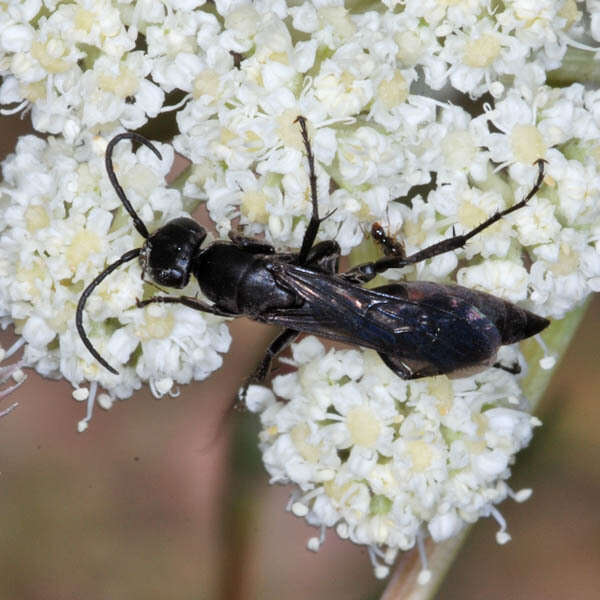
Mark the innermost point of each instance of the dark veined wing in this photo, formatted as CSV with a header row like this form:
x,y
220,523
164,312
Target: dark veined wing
x,y
332,308
421,321
435,324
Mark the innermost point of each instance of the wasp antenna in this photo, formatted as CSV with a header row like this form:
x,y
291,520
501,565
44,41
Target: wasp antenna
x,y
541,164
130,255
128,135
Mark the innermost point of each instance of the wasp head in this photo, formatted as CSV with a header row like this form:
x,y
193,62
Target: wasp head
x,y
168,254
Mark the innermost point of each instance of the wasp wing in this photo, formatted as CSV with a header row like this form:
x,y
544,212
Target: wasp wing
x,y
414,322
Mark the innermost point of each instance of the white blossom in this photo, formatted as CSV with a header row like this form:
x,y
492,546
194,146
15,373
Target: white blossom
x,y
61,225
380,458
427,116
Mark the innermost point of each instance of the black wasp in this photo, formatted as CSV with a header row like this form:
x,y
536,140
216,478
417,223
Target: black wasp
x,y
418,328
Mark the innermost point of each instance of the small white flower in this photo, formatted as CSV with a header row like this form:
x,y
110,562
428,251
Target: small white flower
x,y
502,278
565,272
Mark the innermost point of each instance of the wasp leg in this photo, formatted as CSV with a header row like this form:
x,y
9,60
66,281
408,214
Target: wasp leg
x,y
313,226
252,245
324,256
186,301
260,374
515,368
405,372
367,271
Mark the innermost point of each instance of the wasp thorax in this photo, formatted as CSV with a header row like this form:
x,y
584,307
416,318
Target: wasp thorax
x,y
168,254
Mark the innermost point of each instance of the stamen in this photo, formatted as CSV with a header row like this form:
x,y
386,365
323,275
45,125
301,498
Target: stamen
x,y
4,412
337,121
293,498
343,531
521,495
575,44
160,387
502,165
83,424
14,110
9,390
424,574
314,543
502,536
105,401
380,570
548,361
307,84
300,505
176,106
18,344
13,371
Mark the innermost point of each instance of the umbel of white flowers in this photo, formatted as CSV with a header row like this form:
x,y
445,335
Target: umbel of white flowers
x,y
384,461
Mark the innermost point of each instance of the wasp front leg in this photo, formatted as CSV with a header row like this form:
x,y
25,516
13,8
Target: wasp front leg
x,y
186,301
250,244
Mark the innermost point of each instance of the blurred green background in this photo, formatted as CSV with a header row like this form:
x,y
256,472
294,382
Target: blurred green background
x,y
152,503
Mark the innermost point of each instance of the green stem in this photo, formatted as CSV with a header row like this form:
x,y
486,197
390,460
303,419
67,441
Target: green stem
x,y
578,66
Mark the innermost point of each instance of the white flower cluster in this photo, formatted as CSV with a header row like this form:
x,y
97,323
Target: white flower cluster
x,y
373,139
249,69
381,85
58,230
379,458
556,234
76,64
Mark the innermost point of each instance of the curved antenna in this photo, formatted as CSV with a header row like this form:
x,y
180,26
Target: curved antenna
x,y
130,255
128,135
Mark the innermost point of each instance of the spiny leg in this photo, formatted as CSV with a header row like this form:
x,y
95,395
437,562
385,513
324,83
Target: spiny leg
x,y
186,301
313,226
366,272
310,234
260,374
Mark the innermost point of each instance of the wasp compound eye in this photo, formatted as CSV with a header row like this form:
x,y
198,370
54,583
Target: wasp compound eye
x,y
171,250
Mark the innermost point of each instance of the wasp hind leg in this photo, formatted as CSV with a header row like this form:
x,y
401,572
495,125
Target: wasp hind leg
x,y
514,368
404,371
367,271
